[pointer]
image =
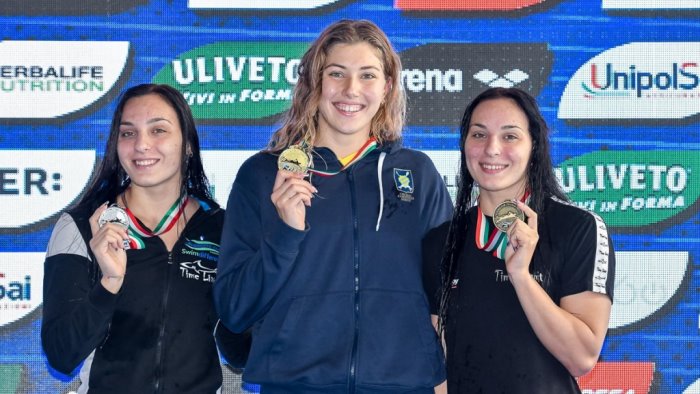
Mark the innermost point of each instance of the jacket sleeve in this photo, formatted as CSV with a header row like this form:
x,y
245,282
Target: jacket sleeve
x,y
76,311
258,250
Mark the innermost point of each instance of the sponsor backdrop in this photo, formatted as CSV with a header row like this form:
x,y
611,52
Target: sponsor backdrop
x,y
618,81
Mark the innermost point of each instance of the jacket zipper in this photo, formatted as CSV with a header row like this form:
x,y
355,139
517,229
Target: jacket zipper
x,y
161,334
356,284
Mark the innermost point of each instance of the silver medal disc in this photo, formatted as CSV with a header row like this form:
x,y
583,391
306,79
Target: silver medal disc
x,y
117,215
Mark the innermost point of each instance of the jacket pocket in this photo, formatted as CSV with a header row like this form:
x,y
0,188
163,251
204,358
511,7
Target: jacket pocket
x,y
313,343
398,345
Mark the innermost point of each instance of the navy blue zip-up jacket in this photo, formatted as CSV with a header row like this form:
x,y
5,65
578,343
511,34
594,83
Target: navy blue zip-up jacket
x,y
338,307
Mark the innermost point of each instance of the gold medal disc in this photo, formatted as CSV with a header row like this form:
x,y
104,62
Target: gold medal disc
x,y
506,214
293,159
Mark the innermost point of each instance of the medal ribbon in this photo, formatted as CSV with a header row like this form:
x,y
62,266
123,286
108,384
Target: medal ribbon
x,y
137,231
368,147
488,237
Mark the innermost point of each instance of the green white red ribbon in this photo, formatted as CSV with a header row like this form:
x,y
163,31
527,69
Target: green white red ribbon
x,y
137,231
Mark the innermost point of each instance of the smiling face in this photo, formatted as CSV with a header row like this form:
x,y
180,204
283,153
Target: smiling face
x,y
498,149
149,145
353,86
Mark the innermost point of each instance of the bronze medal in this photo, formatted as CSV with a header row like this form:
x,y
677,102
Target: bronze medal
x,y
506,214
294,159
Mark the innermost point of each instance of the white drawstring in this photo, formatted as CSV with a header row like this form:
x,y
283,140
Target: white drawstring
x,y
380,164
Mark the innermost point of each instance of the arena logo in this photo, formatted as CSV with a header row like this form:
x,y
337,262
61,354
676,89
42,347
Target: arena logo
x,y
632,189
465,5
494,80
440,79
649,80
260,4
651,4
645,284
236,80
618,378
35,185
21,290
49,79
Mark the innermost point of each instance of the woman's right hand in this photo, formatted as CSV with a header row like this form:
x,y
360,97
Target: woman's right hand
x,y
291,194
107,244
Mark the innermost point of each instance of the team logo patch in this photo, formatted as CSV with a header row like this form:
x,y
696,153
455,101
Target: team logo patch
x,y
403,179
197,271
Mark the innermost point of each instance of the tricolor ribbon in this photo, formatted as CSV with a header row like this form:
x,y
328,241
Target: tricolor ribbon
x,y
490,238
137,231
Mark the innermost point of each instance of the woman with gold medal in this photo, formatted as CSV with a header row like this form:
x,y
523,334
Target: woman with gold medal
x,y
321,249
521,279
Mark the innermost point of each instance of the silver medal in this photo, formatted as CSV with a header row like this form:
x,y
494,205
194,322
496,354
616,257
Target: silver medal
x,y
117,215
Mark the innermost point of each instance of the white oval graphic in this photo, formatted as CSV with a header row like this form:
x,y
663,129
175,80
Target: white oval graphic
x,y
641,80
36,184
644,283
260,4
21,285
48,79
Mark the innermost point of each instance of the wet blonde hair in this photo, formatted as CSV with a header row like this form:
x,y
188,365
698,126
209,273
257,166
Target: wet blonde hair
x,y
300,122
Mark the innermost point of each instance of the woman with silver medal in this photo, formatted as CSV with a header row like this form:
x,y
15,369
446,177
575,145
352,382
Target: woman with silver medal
x,y
128,281
321,254
521,280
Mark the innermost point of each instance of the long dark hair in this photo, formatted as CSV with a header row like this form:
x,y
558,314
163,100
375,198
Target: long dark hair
x,y
111,179
541,181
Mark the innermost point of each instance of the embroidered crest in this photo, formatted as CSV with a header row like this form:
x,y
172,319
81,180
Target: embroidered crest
x,y
403,179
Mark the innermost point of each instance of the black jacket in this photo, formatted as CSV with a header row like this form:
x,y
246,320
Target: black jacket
x,y
157,333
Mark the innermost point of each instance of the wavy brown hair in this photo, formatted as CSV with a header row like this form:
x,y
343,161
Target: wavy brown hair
x,y
300,122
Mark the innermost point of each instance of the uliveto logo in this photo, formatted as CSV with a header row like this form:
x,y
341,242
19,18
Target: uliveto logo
x,y
632,188
49,79
35,185
21,292
259,4
236,80
650,80
441,79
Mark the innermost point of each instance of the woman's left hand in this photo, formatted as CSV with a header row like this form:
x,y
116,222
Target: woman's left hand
x,y
522,240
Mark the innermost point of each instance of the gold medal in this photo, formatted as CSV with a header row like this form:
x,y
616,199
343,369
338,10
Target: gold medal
x,y
506,214
294,159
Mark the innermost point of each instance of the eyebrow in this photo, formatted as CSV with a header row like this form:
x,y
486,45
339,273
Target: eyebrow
x,y
345,67
506,127
150,121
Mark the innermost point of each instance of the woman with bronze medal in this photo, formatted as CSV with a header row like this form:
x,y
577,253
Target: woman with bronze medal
x,y
129,270
321,249
521,279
